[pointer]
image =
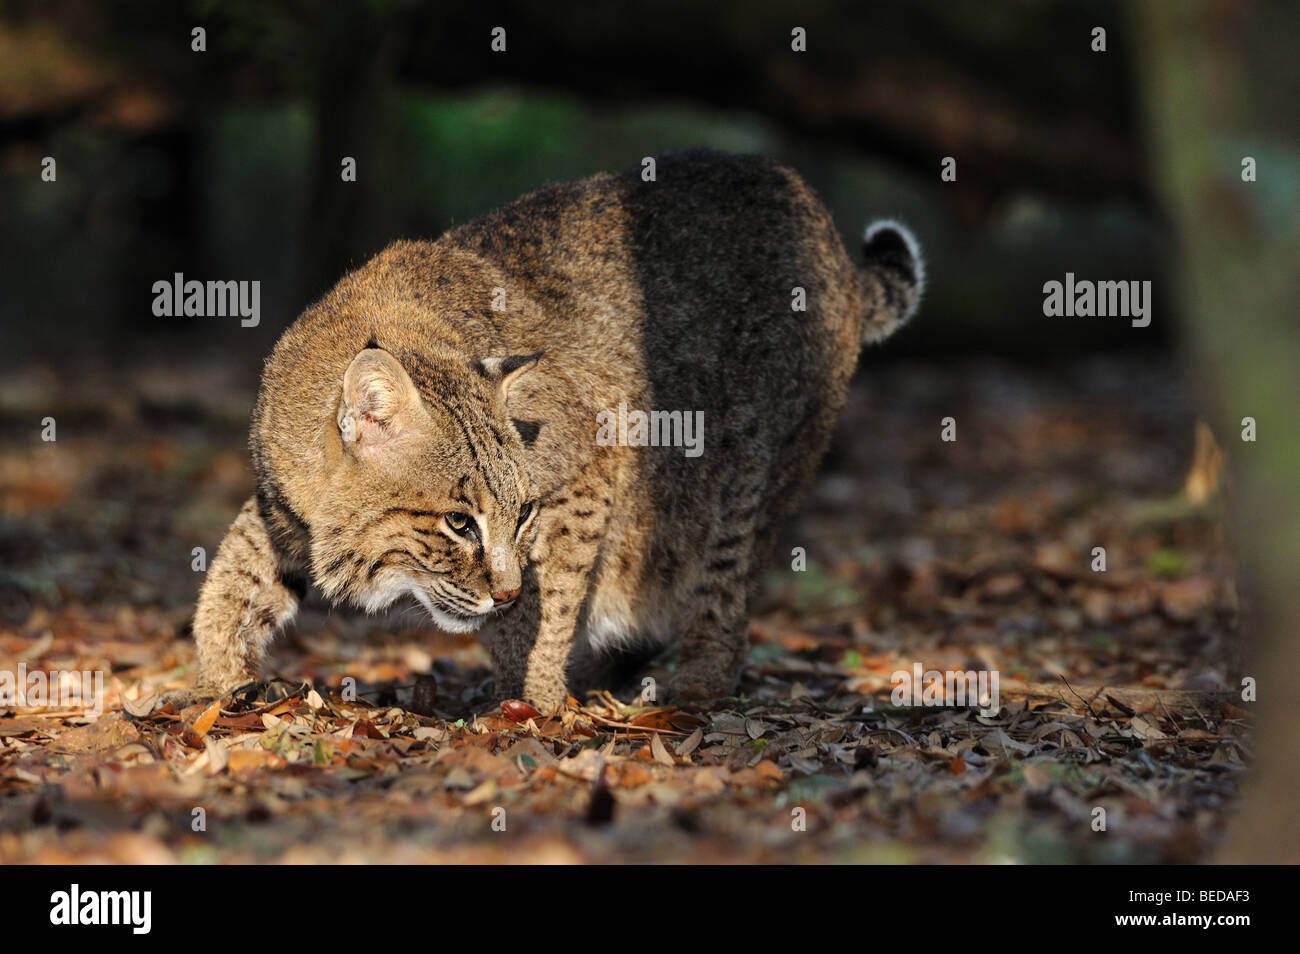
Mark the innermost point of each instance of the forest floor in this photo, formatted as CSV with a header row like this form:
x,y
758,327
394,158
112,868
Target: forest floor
x,y
974,554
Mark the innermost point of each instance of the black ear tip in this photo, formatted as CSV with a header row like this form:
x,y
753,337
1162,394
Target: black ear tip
x,y
494,368
517,361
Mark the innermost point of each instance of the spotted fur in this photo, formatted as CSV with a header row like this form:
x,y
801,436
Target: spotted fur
x,y
404,403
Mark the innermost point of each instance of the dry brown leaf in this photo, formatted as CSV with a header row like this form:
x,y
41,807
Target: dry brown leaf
x,y
194,733
659,752
690,743
248,759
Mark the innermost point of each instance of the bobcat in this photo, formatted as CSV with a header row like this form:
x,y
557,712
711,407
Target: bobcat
x,y
429,429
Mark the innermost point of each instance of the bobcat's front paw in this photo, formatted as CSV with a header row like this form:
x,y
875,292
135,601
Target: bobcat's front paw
x,y
545,696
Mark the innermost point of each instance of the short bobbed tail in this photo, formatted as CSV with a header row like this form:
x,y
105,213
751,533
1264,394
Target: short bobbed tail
x,y
895,274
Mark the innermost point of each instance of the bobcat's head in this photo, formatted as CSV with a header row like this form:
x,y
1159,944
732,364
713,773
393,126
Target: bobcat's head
x,y
428,495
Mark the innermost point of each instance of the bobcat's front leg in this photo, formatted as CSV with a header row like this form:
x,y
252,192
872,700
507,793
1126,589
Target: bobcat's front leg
x,y
242,604
531,649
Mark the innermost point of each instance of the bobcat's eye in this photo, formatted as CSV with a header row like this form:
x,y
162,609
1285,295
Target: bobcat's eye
x,y
525,512
460,522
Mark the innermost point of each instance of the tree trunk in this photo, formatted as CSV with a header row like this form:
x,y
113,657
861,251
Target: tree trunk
x,y
1221,86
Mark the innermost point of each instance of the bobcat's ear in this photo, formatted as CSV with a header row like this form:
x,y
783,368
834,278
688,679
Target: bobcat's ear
x,y
380,407
504,372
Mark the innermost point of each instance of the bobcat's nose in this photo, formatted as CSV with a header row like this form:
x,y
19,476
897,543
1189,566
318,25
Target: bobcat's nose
x,y
504,598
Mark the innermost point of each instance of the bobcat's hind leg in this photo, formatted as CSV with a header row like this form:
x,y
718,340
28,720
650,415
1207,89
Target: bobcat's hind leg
x,y
242,603
715,634
715,626
714,649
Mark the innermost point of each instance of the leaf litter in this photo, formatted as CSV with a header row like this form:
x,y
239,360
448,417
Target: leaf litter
x,y
979,558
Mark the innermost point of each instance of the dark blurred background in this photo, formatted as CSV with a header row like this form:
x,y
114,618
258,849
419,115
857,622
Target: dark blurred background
x,y
226,163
